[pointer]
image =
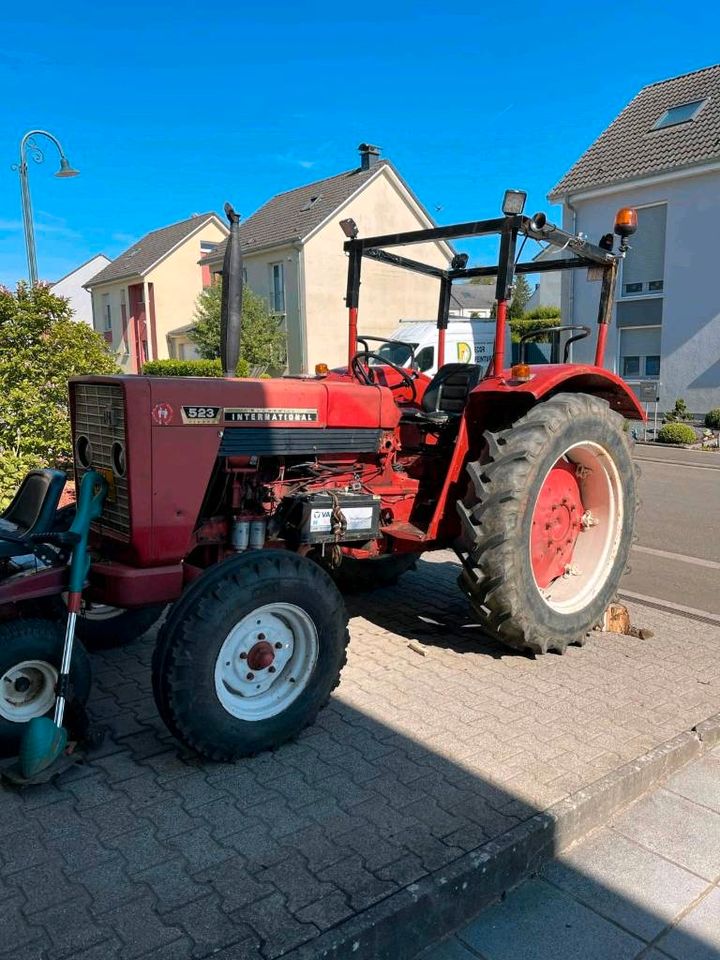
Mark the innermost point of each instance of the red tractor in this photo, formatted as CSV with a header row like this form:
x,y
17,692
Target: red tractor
x,y
243,502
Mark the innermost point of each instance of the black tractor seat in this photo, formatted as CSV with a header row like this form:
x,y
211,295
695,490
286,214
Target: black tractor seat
x,y
31,511
446,396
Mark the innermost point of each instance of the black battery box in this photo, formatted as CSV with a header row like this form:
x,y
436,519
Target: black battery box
x,y
311,516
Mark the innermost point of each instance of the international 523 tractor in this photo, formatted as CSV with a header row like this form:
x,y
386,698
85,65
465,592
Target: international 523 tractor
x,y
243,502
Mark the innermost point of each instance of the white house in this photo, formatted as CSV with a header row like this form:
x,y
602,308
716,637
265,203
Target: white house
x,y
662,156
72,287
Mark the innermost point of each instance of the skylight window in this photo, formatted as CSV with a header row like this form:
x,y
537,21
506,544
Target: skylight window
x,y
310,203
680,114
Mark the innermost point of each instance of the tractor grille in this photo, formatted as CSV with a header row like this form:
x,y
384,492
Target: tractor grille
x,y
100,416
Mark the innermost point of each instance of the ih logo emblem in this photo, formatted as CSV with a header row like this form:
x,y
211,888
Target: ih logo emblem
x,y
162,414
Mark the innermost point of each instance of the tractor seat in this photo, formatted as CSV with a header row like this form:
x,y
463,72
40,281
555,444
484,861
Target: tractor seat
x,y
31,510
447,393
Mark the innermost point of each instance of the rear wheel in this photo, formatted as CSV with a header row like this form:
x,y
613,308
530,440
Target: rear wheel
x,y
250,654
30,655
548,523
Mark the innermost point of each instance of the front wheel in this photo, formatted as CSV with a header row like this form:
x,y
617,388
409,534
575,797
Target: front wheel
x,y
30,656
547,524
250,654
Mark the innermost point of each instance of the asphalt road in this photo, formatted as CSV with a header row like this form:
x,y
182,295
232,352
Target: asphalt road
x,y
677,557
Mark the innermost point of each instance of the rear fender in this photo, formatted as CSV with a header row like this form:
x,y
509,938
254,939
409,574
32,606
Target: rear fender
x,y
496,396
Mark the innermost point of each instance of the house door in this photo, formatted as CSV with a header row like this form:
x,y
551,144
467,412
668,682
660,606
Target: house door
x,y
136,296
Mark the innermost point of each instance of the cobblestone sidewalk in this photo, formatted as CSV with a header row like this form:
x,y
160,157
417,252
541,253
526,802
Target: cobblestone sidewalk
x,y
425,752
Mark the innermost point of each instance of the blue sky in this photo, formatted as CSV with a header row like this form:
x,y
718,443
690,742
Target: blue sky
x,y
169,109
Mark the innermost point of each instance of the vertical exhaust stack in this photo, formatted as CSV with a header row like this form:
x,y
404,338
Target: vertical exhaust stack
x,y
231,304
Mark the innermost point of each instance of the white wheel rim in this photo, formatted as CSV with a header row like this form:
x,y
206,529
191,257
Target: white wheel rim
x,y
101,612
27,690
598,543
266,661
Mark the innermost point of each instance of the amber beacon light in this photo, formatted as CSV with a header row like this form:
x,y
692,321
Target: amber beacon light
x,y
626,221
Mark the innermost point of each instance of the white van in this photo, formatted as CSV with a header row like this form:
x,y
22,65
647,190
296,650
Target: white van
x,y
466,341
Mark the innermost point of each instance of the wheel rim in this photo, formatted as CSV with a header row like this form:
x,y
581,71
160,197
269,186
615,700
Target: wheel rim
x,y
266,661
576,527
27,690
101,611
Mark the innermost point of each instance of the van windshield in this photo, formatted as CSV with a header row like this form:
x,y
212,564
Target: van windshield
x,y
397,353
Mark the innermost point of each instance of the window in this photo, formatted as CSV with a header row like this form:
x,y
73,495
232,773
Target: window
x,y
631,367
277,288
652,366
425,358
106,313
640,352
680,114
644,265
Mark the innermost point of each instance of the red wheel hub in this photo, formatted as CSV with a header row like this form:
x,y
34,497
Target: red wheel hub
x,y
556,523
260,656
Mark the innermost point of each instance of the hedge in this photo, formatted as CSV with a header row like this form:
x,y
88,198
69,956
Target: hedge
x,y
191,368
676,433
712,419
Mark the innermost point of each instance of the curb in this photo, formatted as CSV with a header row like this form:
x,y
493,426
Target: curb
x,y
414,918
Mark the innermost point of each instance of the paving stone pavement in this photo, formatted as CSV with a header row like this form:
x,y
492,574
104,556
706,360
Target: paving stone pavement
x,y
147,852
643,888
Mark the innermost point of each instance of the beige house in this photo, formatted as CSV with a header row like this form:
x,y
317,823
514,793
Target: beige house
x,y
144,301
294,259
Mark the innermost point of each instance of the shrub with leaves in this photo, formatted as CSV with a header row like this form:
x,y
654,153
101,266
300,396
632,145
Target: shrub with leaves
x,y
676,433
191,368
262,339
41,347
712,418
679,412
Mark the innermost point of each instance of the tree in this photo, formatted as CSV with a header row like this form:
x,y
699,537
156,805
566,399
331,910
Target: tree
x,y
520,297
41,347
262,340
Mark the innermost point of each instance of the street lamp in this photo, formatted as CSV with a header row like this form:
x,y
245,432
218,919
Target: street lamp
x,y
29,146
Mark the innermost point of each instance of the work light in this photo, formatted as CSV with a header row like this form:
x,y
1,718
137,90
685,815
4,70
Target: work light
x,y
513,202
349,228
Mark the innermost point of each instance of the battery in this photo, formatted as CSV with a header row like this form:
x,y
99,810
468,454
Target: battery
x,y
312,516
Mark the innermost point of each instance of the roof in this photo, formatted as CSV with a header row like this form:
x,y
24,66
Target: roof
x,y
95,256
630,148
143,255
293,215
472,296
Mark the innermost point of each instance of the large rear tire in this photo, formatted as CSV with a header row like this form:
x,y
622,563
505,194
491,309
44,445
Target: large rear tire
x,y
30,655
250,654
547,523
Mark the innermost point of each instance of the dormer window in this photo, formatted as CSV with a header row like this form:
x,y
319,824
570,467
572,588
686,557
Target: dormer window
x,y
310,203
683,113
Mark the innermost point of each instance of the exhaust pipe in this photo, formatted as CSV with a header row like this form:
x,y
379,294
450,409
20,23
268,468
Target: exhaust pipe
x,y
231,304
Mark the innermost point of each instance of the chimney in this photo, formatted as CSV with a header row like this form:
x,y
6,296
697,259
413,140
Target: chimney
x,y
369,155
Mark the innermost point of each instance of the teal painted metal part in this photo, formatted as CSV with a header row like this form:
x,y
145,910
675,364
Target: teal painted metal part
x,y
91,497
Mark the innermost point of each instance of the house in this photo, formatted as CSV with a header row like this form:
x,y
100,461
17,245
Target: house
x,y
662,156
294,259
546,292
72,287
145,298
472,300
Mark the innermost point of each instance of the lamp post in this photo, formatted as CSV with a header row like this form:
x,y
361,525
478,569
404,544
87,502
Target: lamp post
x,y
29,147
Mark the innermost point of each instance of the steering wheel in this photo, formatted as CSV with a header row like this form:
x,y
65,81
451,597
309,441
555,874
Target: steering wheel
x,y
364,374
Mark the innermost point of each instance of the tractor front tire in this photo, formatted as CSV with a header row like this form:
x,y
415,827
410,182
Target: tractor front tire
x,y
362,576
101,627
30,656
250,654
547,523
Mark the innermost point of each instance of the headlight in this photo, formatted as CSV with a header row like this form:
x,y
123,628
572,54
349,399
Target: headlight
x,y
83,451
119,463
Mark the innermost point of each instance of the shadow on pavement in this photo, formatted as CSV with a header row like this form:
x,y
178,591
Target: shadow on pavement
x,y
147,852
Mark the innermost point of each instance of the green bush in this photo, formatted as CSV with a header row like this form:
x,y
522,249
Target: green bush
x,y
191,368
676,433
41,347
519,328
712,419
678,412
543,313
